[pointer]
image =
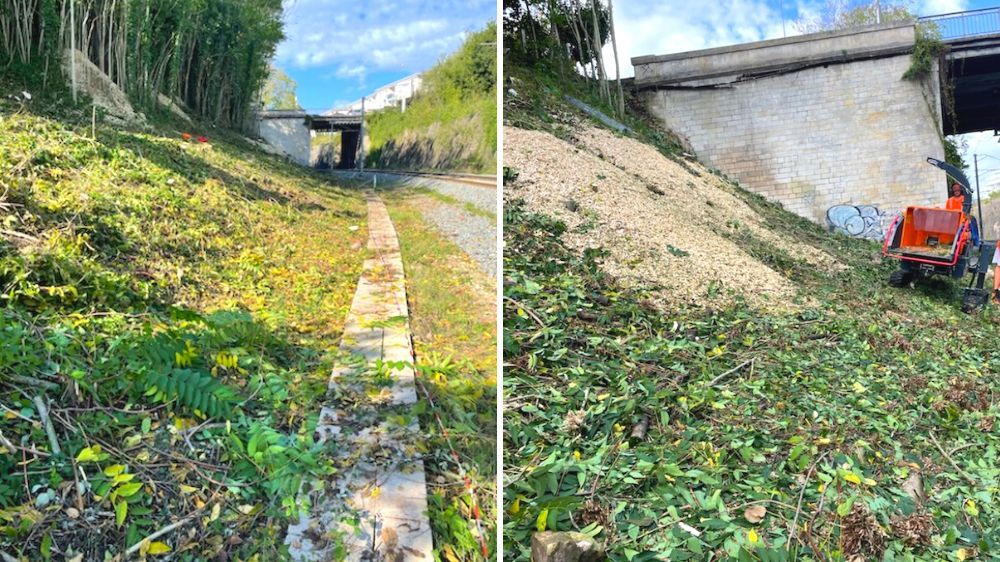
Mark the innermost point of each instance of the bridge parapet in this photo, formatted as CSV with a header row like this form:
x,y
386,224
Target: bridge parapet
x,y
720,64
961,25
815,121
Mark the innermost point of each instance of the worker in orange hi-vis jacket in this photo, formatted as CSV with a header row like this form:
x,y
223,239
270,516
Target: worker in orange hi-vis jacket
x,y
957,198
996,276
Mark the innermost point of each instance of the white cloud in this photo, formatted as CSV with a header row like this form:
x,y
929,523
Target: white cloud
x,y
674,26
376,34
357,71
938,7
644,28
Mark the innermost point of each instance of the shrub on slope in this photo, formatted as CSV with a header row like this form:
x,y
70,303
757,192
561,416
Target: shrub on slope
x,y
451,123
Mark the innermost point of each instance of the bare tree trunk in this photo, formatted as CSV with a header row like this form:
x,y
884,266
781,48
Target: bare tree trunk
x,y
579,42
589,43
555,33
605,94
614,47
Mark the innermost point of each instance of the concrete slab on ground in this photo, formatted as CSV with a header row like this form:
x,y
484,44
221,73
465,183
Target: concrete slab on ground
x,y
375,508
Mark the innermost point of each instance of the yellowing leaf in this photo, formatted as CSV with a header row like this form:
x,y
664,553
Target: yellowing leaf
x,y
542,520
121,510
158,548
129,490
114,470
216,510
515,507
752,537
376,491
576,455
121,478
859,388
962,554
185,489
89,454
970,507
852,478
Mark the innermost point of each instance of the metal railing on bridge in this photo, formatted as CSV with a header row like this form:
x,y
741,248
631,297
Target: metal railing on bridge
x,y
973,23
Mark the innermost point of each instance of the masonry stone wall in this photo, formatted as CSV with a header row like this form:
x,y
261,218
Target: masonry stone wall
x,y
853,133
289,135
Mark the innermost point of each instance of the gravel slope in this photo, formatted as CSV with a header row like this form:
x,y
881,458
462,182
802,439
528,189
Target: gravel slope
x,y
474,234
482,197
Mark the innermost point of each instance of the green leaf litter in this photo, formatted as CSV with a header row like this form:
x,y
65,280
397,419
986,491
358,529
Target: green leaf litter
x,y
662,433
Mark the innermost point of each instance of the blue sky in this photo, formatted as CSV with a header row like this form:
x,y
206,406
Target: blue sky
x,y
645,27
339,50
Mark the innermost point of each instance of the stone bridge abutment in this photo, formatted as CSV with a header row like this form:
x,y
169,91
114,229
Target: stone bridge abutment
x,y
813,121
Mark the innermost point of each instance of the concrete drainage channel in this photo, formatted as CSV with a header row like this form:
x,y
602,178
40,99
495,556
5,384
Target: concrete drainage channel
x,y
375,508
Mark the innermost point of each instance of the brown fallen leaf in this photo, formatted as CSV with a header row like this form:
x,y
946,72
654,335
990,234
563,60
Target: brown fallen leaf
x,y
914,487
390,538
755,513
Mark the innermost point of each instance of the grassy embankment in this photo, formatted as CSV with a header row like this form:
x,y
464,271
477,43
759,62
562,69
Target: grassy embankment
x,y
178,306
740,433
451,123
454,332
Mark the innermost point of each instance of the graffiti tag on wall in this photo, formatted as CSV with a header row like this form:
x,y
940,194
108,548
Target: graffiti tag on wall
x,y
859,221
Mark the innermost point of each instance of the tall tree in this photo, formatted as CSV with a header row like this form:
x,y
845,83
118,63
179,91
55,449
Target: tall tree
x,y
211,54
279,90
614,48
843,14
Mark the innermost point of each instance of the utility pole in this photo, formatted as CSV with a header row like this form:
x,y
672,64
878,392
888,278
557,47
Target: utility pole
x,y
979,200
878,12
72,46
361,135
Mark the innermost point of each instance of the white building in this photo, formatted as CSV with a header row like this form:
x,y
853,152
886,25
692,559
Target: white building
x,y
397,93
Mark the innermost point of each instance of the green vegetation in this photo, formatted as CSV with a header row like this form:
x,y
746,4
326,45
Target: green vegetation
x,y
210,54
844,14
566,35
857,428
626,422
541,96
927,48
279,90
454,331
449,200
176,307
451,122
